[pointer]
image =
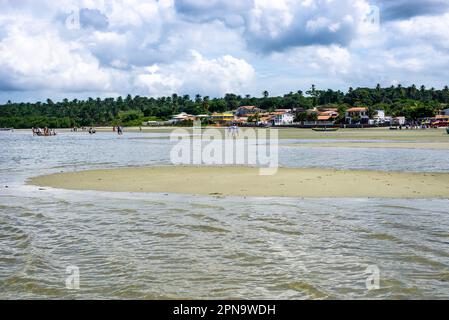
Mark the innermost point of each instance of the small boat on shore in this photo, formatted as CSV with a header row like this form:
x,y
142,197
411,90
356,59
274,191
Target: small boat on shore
x,y
325,129
6,129
43,133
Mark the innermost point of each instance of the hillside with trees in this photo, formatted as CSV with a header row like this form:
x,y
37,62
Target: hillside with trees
x,y
412,102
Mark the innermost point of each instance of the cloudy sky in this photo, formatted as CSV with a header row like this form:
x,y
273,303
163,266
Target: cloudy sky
x,y
78,49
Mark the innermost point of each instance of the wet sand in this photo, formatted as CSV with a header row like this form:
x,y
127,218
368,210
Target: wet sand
x,y
245,181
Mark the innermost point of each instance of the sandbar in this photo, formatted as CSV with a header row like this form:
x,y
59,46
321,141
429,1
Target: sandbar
x,y
246,181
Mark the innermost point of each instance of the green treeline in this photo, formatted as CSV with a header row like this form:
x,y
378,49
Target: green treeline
x,y
411,102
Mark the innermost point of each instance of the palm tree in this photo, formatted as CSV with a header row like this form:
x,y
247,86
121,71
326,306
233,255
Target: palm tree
x,y
206,103
265,94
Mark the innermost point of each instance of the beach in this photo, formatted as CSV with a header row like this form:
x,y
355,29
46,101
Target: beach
x,y
379,145
309,231
246,181
363,134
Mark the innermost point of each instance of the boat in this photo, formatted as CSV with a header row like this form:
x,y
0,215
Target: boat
x,y
41,134
325,129
5,129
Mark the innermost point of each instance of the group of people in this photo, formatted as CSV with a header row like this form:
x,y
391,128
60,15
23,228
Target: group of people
x,y
233,131
119,130
46,132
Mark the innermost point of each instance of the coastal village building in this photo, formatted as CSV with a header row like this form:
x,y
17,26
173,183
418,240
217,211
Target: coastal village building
x,y
282,118
359,112
399,121
329,114
318,116
182,117
222,118
246,111
323,116
379,118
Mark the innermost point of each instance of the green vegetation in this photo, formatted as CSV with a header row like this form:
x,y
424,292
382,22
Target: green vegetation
x,y
411,102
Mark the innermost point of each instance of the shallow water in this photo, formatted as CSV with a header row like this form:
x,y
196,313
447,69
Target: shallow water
x,y
151,246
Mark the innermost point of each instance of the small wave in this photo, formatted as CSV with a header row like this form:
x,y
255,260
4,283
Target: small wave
x,y
206,228
401,208
412,258
306,288
169,235
207,206
382,236
282,231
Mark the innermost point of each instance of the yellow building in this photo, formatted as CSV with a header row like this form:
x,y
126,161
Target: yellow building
x,y
222,118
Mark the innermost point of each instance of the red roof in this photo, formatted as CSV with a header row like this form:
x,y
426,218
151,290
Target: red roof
x,y
247,107
358,109
324,118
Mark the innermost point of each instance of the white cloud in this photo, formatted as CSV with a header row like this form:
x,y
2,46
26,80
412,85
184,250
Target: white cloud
x,y
213,47
32,56
209,76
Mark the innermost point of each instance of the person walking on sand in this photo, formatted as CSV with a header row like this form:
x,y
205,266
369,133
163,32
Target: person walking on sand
x,y
235,131
119,130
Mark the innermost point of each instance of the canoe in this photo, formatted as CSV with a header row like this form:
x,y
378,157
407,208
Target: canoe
x,y
325,129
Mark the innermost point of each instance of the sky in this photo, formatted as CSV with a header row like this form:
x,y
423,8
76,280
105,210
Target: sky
x,y
105,48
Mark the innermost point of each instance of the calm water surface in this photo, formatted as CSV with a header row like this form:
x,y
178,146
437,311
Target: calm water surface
x,y
151,246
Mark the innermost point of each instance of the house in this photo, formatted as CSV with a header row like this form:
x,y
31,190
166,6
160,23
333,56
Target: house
x,y
444,112
327,115
399,121
283,110
245,111
181,117
281,118
222,118
357,115
202,117
380,118
152,123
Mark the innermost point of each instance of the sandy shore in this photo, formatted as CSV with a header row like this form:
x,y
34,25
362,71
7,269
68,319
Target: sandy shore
x,y
429,135
381,145
243,181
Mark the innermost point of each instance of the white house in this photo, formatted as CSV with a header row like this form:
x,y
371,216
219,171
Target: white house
x,y
283,118
399,120
182,117
379,118
359,112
